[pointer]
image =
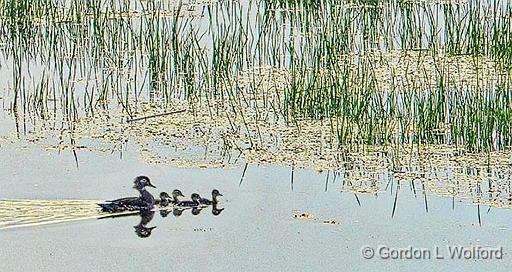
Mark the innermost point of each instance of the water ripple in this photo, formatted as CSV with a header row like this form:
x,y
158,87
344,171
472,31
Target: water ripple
x,y
20,213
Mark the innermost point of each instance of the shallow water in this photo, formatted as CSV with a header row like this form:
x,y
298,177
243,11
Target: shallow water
x,y
256,231
272,218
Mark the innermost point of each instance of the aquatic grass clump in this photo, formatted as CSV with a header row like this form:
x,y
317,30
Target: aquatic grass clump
x,y
379,73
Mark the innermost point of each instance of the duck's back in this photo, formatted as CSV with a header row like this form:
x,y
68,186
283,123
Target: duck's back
x,y
205,201
124,204
124,200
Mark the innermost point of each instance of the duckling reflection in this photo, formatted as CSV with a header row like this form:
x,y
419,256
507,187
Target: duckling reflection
x,y
165,213
177,212
166,204
196,210
216,211
141,229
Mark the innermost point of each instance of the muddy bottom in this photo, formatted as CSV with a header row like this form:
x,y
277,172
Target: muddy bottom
x,y
268,222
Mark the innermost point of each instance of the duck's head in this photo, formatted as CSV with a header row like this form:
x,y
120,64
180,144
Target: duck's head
x,y
177,193
216,211
195,197
142,181
164,195
143,231
216,193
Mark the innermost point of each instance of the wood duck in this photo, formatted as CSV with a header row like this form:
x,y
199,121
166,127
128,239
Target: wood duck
x,y
145,201
215,194
190,203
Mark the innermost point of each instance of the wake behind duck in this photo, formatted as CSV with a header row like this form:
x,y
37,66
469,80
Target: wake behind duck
x,y
15,213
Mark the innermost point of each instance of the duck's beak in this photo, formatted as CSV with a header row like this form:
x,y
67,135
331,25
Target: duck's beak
x,y
181,194
151,185
220,194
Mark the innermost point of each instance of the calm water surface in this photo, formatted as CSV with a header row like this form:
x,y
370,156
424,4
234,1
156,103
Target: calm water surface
x,y
256,231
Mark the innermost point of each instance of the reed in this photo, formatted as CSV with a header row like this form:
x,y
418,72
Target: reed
x,y
268,60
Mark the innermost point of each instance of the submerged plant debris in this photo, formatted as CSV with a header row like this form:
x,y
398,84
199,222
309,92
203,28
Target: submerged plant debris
x,y
194,140
310,217
412,92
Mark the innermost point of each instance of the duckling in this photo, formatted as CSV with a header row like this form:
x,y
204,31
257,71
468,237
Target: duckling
x,y
164,200
187,203
215,194
175,194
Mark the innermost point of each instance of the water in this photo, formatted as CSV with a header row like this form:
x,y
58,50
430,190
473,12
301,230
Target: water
x,y
272,218
256,231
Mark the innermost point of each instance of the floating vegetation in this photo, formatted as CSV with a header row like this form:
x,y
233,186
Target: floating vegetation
x,y
393,72
411,91
310,217
304,215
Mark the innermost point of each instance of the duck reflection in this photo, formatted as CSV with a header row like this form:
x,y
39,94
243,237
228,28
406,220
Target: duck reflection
x,y
141,229
165,213
146,216
177,212
143,205
216,211
196,210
